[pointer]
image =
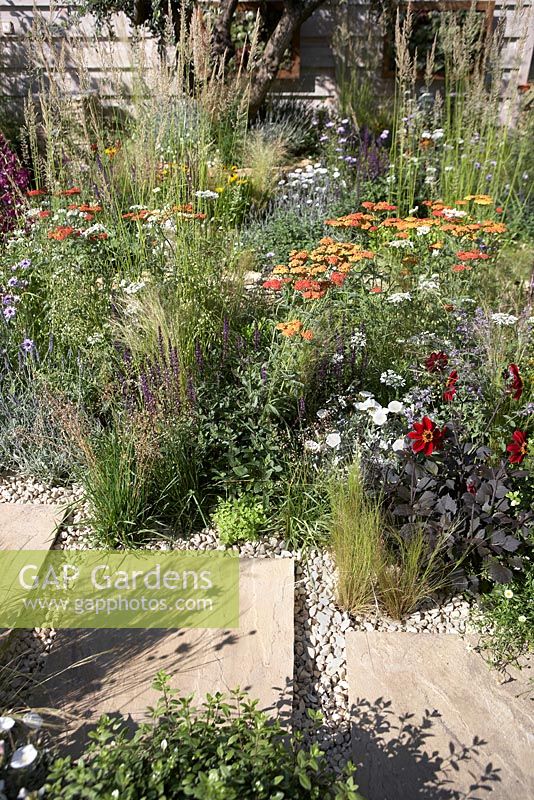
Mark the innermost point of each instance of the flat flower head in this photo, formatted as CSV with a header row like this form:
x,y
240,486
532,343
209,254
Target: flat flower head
x,y
518,447
426,437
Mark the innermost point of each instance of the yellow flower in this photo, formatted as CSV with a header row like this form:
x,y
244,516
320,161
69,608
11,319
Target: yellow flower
x,y
219,189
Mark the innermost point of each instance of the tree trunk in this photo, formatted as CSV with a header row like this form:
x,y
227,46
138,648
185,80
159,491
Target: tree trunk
x,y
222,44
294,14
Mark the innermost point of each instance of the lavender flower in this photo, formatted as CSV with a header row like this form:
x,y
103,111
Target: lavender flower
x,y
27,345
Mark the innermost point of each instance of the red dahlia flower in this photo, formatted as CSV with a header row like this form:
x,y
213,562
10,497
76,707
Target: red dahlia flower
x,y
515,384
426,437
450,389
518,447
437,362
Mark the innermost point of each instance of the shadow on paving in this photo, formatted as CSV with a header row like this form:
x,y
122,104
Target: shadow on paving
x,y
395,758
91,672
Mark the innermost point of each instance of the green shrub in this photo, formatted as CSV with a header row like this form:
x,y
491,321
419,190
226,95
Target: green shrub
x,y
239,519
225,750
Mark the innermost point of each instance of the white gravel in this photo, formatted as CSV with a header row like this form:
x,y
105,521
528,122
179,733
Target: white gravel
x,y
320,679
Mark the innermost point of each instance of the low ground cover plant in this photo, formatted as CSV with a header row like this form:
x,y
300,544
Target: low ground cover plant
x,y
224,749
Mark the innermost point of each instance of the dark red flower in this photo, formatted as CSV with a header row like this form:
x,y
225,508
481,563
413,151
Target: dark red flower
x,y
471,486
426,437
515,382
518,447
437,362
450,389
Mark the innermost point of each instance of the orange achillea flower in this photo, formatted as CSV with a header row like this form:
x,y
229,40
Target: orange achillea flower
x,y
274,283
143,213
293,327
313,272
89,209
375,289
338,278
355,220
62,232
461,267
471,255
36,192
70,192
380,206
44,214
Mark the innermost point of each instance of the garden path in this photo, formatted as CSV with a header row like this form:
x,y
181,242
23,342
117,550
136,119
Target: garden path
x,y
418,701
91,672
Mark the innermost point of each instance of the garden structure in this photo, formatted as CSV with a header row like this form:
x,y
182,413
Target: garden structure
x,y
273,361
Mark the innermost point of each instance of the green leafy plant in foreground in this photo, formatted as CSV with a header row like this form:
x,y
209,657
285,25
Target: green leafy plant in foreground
x,y
225,750
239,519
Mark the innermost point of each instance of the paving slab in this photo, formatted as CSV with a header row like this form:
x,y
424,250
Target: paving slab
x,y
92,672
417,703
28,526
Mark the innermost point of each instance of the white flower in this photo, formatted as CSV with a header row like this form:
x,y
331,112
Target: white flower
x,y
164,744
422,230
391,378
454,213
23,757
521,618
96,228
398,444
333,440
33,720
322,413
503,319
395,406
338,358
438,134
413,210
429,284
311,446
379,416
358,339
206,194
399,297
132,288
508,594
401,243
367,405
6,723
115,794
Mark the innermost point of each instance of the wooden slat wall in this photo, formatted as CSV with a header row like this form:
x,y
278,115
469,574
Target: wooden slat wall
x,y
317,78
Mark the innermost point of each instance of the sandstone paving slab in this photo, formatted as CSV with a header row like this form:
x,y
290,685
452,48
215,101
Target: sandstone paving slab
x,y
91,672
28,526
417,703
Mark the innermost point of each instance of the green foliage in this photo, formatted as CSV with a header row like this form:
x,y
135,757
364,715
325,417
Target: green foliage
x,y
378,566
239,519
506,621
225,750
